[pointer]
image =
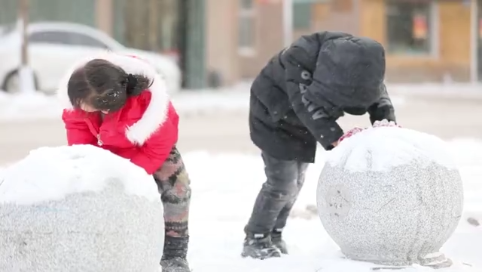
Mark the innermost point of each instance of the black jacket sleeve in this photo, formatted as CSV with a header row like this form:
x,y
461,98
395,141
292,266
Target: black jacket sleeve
x,y
383,108
315,117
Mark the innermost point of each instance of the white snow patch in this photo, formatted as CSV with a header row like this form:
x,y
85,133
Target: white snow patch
x,y
26,79
3,96
382,148
236,98
51,173
459,90
224,190
28,106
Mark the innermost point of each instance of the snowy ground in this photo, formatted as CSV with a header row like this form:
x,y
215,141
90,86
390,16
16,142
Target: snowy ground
x,y
224,188
40,106
225,185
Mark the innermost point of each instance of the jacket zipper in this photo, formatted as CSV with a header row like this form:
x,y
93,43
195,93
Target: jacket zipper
x,y
99,141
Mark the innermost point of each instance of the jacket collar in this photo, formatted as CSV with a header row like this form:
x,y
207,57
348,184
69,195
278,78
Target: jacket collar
x,y
156,113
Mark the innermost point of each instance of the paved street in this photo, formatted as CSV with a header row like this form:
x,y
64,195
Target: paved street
x,y
227,131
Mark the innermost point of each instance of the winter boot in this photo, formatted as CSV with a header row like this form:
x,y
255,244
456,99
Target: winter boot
x,y
278,242
174,257
259,246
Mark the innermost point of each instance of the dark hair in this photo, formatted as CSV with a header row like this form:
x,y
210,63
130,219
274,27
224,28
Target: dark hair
x,y
104,86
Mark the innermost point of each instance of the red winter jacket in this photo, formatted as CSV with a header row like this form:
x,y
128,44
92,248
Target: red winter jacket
x,y
143,131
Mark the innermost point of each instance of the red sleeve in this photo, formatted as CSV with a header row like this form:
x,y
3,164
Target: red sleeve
x,y
156,150
78,132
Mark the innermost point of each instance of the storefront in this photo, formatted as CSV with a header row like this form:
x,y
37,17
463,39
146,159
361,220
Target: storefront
x,y
477,33
82,12
148,25
171,27
426,40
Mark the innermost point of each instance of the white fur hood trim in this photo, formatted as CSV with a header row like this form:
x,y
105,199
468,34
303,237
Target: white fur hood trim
x,y
155,114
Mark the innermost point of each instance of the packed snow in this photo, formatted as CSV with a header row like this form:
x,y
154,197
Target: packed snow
x,y
52,173
39,105
46,106
389,147
224,189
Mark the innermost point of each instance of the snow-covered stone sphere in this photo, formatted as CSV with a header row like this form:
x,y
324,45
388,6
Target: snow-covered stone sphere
x,y
391,196
79,208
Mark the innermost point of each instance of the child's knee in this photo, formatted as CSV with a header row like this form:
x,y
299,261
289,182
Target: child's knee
x,y
176,201
179,192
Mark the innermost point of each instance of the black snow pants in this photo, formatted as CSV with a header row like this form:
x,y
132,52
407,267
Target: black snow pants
x,y
277,196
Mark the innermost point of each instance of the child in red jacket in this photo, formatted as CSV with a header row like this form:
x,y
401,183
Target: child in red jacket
x,y
120,103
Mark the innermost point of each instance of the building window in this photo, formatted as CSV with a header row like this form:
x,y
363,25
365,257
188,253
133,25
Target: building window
x,y
342,5
247,30
302,15
410,27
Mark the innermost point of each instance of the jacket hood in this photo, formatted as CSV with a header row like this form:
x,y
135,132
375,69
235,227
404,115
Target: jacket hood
x,y
157,110
351,71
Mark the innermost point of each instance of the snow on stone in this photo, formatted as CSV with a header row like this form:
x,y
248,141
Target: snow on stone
x,y
225,187
382,148
52,173
79,208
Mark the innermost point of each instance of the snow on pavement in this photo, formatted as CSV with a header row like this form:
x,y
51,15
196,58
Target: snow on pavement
x,y
224,189
40,106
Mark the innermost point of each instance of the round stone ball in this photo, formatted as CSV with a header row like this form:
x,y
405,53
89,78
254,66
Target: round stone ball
x,y
79,208
391,196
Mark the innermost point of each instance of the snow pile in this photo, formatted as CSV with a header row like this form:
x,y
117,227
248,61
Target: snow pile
x,y
79,208
54,173
383,148
31,105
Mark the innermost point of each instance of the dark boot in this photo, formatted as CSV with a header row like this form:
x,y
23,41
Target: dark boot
x,y
174,257
259,246
278,242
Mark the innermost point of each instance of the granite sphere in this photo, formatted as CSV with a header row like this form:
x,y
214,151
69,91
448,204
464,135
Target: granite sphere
x,y
78,209
391,196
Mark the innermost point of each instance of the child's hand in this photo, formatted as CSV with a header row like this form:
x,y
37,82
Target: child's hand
x,y
350,133
385,123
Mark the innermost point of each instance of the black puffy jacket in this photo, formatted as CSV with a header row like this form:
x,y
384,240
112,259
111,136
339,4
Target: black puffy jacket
x,y
303,90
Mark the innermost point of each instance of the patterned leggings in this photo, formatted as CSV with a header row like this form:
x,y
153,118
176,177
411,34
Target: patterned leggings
x,y
174,186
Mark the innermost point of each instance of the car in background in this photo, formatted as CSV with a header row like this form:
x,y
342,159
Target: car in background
x,y
55,46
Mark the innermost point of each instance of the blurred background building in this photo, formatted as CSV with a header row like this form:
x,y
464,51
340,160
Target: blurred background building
x,y
222,42
434,54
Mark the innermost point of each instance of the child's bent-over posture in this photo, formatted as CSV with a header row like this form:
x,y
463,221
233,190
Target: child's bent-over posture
x,y
295,103
120,103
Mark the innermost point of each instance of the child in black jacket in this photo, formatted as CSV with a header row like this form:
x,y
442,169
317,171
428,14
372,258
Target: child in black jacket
x,y
295,103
